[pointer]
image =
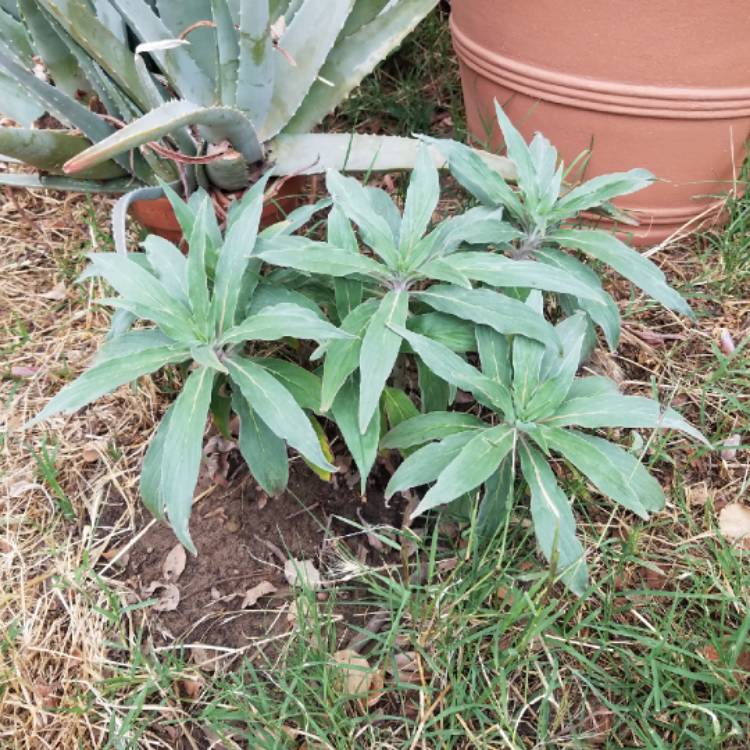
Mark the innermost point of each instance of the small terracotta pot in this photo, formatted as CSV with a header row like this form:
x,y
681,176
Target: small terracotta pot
x,y
659,84
158,217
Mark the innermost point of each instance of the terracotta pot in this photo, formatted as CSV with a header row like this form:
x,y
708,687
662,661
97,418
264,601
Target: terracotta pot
x,y
158,217
661,84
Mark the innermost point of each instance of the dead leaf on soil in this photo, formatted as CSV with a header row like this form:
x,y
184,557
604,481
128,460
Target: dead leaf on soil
x,y
56,294
90,453
169,598
174,563
204,659
357,679
734,524
191,689
264,588
729,448
303,573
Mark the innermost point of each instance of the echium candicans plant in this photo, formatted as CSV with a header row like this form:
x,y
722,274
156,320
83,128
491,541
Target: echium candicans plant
x,y
395,273
542,213
535,410
207,312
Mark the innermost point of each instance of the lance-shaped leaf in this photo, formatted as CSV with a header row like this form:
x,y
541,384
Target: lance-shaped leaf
x,y
131,343
519,153
500,271
153,491
182,451
139,289
197,275
355,55
554,524
109,375
228,51
422,197
264,452
398,406
379,351
497,499
451,368
342,356
600,190
285,319
613,471
169,265
424,466
626,261
220,123
353,199
453,332
363,446
305,53
315,257
485,307
301,383
616,410
476,462
494,355
278,409
425,428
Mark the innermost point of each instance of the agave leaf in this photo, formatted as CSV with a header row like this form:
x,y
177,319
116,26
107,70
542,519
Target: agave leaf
x,y
363,12
308,51
221,121
48,150
353,57
315,153
111,18
58,59
228,52
257,68
178,63
178,16
43,182
16,104
103,45
13,35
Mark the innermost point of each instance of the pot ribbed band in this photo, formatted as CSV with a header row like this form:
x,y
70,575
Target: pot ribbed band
x,y
600,95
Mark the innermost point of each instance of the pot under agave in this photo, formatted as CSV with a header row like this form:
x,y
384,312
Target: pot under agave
x,y
211,94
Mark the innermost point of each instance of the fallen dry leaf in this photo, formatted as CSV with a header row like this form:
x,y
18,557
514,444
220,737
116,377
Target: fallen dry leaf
x,y
169,598
356,674
56,294
264,588
90,453
191,689
729,447
726,341
204,659
174,563
20,371
302,573
734,524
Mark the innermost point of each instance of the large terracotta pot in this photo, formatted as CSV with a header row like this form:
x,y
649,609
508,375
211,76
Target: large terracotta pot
x,y
158,217
661,84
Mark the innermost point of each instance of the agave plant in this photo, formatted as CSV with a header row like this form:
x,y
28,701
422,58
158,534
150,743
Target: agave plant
x,y
535,407
209,314
206,92
543,214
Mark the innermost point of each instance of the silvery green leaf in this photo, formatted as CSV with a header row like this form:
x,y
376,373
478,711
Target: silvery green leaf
x,y
153,491
485,307
398,406
496,501
264,452
476,462
206,356
424,466
451,368
315,257
520,155
197,277
613,471
130,343
178,16
500,271
354,201
257,66
621,411
548,176
494,354
301,383
227,51
169,265
439,269
16,105
108,375
341,234
422,197
267,295
379,351
382,204
453,332
282,320
600,190
425,428
363,445
632,265
435,394
278,409
342,356
607,317
233,259
137,286
182,451
296,219
554,524
592,385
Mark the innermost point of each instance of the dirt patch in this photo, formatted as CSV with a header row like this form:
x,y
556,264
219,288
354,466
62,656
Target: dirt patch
x,y
243,539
